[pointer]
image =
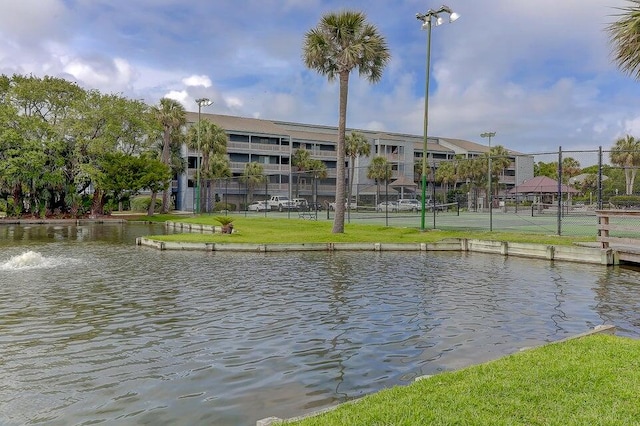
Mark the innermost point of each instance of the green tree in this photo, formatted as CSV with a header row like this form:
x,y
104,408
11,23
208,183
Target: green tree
x,y
318,170
340,43
570,168
356,145
218,167
171,116
626,154
213,141
445,175
379,170
301,159
624,35
546,169
252,176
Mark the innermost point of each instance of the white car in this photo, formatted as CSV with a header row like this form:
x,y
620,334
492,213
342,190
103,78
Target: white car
x,y
257,206
385,206
409,205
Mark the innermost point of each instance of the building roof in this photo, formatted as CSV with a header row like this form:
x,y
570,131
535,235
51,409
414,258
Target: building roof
x,y
541,185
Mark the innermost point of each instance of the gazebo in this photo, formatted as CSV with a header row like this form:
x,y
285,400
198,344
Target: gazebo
x,y
543,187
403,183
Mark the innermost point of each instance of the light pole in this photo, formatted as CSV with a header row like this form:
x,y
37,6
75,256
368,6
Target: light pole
x,y
201,102
489,195
427,20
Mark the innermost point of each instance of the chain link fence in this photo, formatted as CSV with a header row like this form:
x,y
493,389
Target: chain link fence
x,y
561,199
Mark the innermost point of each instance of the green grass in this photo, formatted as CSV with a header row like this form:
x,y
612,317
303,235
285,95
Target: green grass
x,y
281,230
593,380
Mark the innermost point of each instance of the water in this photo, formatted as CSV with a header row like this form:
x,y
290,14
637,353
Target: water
x,y
94,329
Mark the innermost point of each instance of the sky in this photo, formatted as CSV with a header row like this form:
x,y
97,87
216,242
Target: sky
x,y
538,73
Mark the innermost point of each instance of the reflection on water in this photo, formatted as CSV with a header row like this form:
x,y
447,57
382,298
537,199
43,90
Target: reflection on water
x,y
107,331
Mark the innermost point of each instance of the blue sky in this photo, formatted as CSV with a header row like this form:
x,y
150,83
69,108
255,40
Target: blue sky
x,y
538,73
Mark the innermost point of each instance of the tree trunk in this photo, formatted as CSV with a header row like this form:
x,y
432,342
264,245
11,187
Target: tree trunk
x,y
97,203
338,221
166,155
152,204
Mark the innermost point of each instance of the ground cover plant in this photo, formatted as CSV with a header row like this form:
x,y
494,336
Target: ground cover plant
x,y
592,380
282,230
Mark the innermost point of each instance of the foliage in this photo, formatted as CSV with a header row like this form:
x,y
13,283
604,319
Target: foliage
x,y
625,201
624,35
58,140
626,154
223,220
141,203
225,207
340,43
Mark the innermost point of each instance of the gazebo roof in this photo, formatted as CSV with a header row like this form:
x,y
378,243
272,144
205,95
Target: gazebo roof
x,y
403,181
541,185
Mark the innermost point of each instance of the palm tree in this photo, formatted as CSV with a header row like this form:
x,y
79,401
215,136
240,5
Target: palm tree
x,y
500,160
301,159
446,174
340,43
213,141
380,170
626,154
218,167
624,35
171,115
356,145
318,170
252,176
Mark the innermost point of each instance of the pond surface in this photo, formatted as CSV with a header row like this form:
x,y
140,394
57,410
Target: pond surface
x,y
94,329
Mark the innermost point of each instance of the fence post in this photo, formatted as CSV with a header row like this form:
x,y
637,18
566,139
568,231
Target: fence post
x,y
560,190
600,177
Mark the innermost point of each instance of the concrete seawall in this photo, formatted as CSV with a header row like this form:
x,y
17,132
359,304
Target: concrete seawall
x,y
593,255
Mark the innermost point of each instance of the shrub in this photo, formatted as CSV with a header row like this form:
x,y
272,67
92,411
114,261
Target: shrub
x,y
220,206
625,201
141,203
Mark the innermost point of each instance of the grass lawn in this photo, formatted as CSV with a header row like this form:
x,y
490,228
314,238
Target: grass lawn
x,y
592,380
282,230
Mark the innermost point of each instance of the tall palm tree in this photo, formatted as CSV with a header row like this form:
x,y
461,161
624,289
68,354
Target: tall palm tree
x,y
171,115
570,168
356,145
252,176
500,160
379,170
340,43
213,141
624,35
626,154
446,174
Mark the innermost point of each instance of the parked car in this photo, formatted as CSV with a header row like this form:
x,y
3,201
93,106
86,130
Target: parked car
x,y
353,205
280,203
315,206
300,203
385,206
257,206
409,205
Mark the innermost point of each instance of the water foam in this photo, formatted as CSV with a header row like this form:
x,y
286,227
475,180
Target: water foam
x,y
28,260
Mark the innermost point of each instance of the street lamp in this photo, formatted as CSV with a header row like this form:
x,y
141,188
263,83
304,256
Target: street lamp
x,y
201,102
427,22
489,195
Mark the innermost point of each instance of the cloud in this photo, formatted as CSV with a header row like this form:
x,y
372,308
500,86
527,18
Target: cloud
x,y
197,80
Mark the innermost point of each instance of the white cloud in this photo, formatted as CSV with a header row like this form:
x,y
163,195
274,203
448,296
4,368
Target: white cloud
x,y
197,80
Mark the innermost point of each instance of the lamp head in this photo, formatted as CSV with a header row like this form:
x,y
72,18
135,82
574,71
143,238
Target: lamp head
x,y
454,17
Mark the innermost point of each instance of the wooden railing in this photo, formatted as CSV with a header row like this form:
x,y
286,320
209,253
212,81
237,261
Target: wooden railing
x,y
627,234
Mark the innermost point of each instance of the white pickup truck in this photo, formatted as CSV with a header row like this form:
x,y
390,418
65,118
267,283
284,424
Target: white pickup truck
x,y
280,203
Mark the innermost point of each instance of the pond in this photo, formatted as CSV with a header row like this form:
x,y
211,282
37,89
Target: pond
x,y
95,329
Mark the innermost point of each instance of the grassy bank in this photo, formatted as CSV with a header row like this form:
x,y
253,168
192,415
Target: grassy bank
x,y
279,230
593,380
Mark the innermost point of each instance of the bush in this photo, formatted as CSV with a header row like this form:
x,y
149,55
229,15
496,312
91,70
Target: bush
x,y
141,203
3,205
224,206
625,201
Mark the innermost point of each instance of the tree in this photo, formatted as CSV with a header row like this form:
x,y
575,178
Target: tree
x,y
626,154
252,176
546,169
570,168
446,174
171,115
301,159
500,160
379,170
218,167
624,35
356,145
340,43
213,141
318,170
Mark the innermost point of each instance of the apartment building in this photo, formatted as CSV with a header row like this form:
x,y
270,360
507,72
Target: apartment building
x,y
272,144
